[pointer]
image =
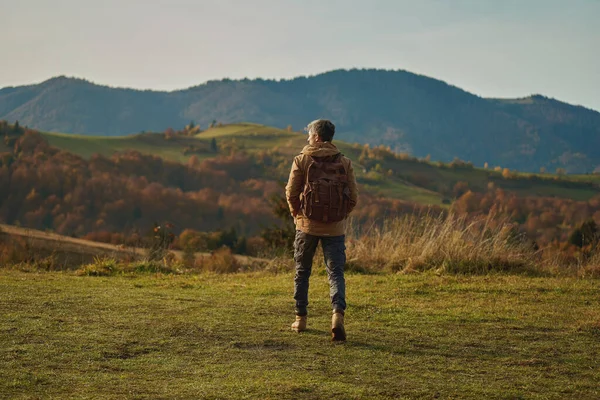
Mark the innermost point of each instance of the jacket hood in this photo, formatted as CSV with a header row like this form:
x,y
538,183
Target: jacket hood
x,y
322,149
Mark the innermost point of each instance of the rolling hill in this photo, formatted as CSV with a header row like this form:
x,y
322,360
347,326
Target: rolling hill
x,y
381,172
224,178
248,137
409,112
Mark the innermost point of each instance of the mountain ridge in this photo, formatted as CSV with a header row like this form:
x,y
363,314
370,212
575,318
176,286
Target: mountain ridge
x,y
67,78
409,112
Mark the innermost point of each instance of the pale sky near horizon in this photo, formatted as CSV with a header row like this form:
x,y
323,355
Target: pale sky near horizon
x,y
508,48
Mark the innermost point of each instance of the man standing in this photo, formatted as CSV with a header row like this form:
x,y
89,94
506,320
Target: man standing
x,y
321,192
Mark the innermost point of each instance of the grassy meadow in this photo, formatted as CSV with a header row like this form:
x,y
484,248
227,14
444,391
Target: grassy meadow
x,y
438,307
227,336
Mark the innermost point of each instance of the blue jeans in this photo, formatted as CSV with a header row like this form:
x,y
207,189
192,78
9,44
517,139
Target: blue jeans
x,y
334,251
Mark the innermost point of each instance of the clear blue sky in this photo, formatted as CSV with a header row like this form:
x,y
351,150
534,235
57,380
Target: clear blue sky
x,y
493,48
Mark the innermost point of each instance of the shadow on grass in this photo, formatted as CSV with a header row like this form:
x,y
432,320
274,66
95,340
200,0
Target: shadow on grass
x,y
267,344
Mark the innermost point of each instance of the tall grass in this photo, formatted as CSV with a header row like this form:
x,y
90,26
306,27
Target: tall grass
x,y
589,267
447,243
412,243
110,266
220,261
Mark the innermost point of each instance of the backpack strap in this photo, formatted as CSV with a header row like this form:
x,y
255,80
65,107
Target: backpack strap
x,y
308,209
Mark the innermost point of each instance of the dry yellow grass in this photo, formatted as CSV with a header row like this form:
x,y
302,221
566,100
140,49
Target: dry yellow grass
x,y
406,244
590,268
446,243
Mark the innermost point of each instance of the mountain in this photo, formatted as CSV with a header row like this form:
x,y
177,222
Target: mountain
x,y
406,111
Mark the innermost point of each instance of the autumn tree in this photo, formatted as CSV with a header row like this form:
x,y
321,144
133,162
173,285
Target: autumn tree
x,y
460,188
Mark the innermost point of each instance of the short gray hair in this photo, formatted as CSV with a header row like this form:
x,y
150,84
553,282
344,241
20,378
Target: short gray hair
x,y
324,128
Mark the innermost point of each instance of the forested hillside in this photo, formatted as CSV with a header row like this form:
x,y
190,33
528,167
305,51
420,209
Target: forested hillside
x,y
225,178
44,187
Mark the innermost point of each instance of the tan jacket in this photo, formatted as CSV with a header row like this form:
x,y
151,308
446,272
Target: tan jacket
x,y
295,187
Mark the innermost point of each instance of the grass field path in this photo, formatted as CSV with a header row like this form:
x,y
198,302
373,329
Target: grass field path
x,y
227,336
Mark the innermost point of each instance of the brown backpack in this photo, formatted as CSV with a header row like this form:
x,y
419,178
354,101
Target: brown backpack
x,y
326,193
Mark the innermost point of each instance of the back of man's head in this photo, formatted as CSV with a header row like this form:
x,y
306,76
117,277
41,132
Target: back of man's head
x,y
323,128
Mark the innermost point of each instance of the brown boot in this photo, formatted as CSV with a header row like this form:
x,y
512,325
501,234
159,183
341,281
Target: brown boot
x,y
337,327
300,324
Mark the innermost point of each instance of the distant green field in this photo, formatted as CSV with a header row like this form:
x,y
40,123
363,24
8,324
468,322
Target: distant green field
x,y
580,194
254,137
251,137
586,178
402,191
86,146
246,129
228,337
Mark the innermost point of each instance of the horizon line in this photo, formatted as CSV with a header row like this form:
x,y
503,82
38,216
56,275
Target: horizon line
x,y
278,80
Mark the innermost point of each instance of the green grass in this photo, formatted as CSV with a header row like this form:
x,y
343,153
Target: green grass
x,y
389,187
595,178
250,137
227,336
549,190
255,137
245,129
86,146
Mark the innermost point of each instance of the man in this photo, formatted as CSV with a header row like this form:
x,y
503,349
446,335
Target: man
x,y
321,192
